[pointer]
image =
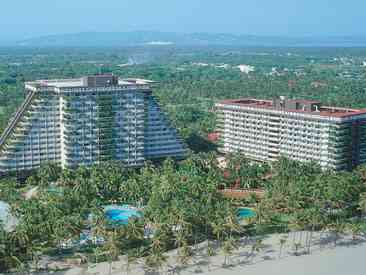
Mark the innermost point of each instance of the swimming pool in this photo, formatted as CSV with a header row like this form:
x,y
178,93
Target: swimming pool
x,y
245,213
120,214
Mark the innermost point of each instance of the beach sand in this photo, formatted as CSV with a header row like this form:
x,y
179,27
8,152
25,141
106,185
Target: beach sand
x,y
325,259
336,261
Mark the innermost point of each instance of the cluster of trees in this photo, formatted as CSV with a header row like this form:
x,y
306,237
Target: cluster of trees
x,y
188,92
308,194
173,195
181,202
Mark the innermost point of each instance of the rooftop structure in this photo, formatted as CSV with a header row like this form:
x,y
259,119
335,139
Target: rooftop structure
x,y
85,121
105,80
303,130
309,107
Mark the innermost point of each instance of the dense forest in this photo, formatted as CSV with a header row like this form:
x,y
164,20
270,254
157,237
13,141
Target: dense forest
x,y
192,79
182,201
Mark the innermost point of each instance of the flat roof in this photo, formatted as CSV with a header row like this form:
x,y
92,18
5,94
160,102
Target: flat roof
x,y
322,111
59,83
80,82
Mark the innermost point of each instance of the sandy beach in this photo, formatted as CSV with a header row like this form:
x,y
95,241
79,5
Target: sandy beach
x,y
325,259
338,261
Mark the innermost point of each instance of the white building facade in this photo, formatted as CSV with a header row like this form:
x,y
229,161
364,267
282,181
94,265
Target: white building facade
x,y
297,129
88,121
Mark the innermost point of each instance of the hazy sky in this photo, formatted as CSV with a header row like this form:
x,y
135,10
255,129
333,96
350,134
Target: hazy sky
x,y
27,18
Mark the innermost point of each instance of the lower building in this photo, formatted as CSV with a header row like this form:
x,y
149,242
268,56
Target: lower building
x,y
300,130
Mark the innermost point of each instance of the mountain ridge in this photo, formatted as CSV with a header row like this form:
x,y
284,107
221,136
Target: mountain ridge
x,y
156,38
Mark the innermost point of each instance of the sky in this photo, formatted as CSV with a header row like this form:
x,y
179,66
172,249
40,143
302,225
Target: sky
x,y
21,19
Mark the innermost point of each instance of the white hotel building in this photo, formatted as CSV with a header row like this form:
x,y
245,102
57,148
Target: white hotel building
x,y
87,121
297,129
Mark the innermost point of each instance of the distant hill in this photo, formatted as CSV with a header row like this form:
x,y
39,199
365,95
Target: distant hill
x,y
114,39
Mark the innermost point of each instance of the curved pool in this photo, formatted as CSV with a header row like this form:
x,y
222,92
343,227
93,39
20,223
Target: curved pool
x,y
120,214
245,213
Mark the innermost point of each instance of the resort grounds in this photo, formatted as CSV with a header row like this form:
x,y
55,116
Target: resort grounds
x,y
182,206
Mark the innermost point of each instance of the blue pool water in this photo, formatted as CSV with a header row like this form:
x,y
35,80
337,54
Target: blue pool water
x,y
121,214
245,213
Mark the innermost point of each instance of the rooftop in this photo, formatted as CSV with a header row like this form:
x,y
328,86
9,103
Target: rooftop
x,y
297,106
104,80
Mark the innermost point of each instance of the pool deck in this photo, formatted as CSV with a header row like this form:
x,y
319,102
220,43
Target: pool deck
x,y
123,207
242,193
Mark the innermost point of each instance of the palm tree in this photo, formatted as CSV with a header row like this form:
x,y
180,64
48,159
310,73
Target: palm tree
x,y
219,231
19,266
314,218
14,262
99,223
210,253
232,224
134,230
185,254
112,247
97,251
296,226
9,257
181,235
355,229
297,246
132,257
67,177
35,250
283,240
180,238
155,260
256,247
61,232
336,228
228,247
362,203
23,238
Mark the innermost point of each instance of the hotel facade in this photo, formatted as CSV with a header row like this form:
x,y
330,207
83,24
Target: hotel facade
x,y
88,121
300,130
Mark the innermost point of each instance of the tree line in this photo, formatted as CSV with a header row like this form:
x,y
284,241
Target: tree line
x,y
181,203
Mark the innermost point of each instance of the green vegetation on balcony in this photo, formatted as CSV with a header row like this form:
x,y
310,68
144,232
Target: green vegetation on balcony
x,y
105,123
